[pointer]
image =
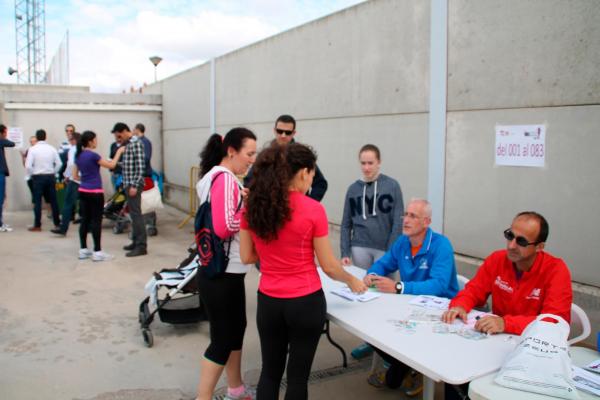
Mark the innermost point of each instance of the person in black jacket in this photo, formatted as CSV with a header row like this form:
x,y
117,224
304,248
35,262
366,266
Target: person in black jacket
x,y
4,142
285,131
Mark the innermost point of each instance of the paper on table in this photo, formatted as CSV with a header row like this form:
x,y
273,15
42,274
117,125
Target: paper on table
x,y
593,366
346,293
586,381
439,303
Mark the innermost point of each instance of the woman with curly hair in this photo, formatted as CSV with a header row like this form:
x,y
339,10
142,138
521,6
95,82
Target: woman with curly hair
x,y
284,229
224,297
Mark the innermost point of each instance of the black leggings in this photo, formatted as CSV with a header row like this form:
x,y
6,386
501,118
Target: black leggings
x,y
295,324
224,300
91,206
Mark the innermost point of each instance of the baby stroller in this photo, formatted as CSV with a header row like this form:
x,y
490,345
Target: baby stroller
x,y
116,210
173,294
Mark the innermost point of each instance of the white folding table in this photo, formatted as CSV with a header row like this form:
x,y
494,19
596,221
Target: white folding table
x,y
439,357
485,388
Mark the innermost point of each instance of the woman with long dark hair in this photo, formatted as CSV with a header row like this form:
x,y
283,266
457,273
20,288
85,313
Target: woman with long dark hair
x,y
284,229
91,195
224,297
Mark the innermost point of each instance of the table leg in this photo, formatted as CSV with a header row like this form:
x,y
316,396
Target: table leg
x,y
428,388
326,332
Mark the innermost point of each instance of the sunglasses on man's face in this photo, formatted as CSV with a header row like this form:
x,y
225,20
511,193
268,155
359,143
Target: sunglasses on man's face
x,y
521,241
283,132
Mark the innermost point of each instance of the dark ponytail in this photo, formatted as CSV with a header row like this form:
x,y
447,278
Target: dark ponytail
x,y
268,206
216,147
84,141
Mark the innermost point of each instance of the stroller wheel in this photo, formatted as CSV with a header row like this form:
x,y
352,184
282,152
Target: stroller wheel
x,y
117,228
148,337
152,231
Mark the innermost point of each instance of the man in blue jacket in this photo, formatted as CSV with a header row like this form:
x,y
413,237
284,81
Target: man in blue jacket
x,y
425,262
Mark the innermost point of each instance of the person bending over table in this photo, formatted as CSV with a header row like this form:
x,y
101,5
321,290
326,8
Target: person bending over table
x,y
425,262
523,280
284,228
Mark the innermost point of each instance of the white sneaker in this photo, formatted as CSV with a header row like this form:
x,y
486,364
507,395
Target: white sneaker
x,y
101,256
84,253
5,228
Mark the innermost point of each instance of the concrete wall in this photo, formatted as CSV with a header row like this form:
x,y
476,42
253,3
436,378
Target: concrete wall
x,y
51,108
362,75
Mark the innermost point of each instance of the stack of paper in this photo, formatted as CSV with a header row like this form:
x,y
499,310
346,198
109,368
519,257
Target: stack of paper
x,y
346,293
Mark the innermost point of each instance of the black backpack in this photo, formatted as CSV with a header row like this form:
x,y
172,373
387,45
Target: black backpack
x,y
213,258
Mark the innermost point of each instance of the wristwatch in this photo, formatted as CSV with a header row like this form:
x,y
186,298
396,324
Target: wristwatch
x,y
399,287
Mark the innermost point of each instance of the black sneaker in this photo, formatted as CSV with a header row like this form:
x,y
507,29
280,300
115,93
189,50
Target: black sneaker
x,y
138,251
129,247
58,231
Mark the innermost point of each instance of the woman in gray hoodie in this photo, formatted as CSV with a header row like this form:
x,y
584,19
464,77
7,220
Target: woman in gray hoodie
x,y
373,211
372,219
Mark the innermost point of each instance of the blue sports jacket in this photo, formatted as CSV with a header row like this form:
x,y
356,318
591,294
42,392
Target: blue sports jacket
x,y
431,271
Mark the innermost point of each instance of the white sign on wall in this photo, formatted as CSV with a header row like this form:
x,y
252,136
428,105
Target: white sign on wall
x,y
15,134
521,145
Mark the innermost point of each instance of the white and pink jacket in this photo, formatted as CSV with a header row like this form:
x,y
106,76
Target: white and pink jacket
x,y
224,199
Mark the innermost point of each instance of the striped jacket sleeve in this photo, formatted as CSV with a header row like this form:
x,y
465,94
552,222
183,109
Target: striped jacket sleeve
x,y
224,201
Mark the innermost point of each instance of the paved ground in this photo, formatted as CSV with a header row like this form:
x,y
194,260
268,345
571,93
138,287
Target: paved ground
x,y
69,330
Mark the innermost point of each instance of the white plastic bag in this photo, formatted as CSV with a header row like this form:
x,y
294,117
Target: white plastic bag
x,y
541,362
151,200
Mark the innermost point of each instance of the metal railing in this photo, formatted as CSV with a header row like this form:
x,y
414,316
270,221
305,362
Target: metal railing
x,y
193,198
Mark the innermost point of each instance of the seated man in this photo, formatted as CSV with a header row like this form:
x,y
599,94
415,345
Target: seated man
x,y
524,281
425,262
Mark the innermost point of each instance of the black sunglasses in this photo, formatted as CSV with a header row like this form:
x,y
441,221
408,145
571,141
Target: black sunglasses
x,y
283,132
521,241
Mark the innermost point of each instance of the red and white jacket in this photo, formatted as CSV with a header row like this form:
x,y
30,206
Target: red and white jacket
x,y
545,288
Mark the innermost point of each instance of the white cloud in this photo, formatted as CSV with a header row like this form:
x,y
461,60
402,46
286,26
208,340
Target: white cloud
x,y
111,40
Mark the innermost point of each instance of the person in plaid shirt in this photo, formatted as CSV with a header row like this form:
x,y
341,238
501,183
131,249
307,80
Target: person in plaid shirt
x,y
133,165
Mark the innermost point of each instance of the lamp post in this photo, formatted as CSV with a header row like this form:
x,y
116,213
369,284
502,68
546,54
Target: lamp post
x,y
155,60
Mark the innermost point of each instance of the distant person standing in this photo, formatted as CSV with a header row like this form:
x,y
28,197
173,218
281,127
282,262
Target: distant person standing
x,y
140,132
43,163
133,165
4,142
32,142
63,150
72,189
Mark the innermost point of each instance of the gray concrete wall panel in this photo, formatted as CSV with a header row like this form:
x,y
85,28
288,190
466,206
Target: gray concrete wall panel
x,y
368,59
513,53
402,140
481,198
186,99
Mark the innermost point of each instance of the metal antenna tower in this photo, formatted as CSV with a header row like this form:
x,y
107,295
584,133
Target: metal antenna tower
x,y
30,27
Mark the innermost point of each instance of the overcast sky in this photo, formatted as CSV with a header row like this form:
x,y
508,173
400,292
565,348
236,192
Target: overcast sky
x,y
111,40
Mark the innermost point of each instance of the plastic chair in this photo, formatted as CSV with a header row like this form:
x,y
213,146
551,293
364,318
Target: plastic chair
x,y
580,320
462,281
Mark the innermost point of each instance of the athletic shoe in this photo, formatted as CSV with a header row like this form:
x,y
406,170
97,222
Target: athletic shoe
x,y
101,256
412,384
248,394
5,228
362,351
84,253
376,379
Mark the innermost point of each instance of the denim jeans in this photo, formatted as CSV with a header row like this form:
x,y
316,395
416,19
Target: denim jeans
x,y
71,196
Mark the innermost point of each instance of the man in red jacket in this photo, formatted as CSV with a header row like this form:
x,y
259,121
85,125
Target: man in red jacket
x,y
524,281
